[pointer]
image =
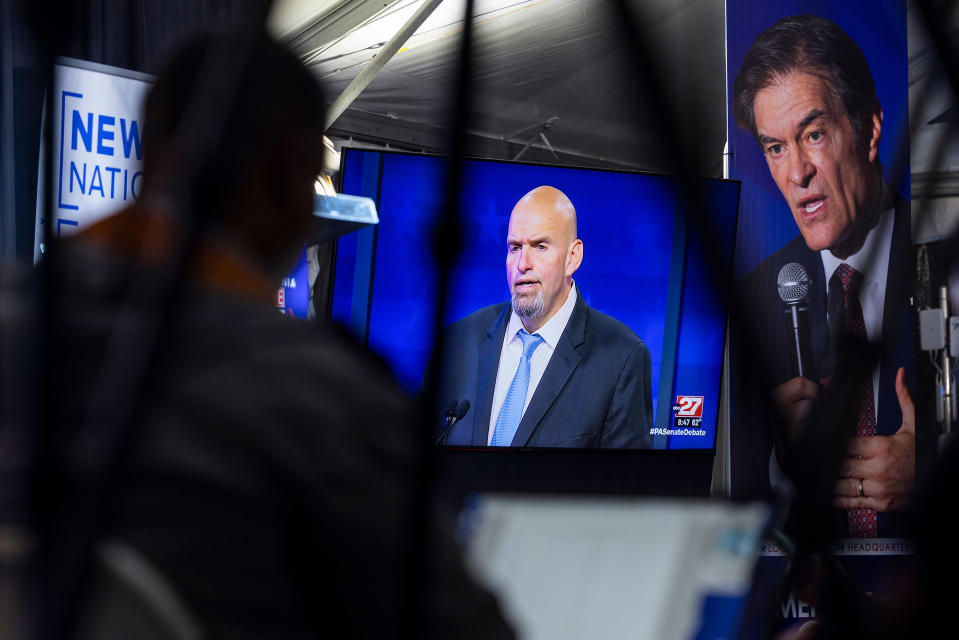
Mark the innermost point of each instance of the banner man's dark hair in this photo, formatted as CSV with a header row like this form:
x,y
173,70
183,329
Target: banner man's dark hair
x,y
806,44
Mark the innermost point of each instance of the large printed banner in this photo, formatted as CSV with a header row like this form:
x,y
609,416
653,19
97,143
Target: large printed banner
x,y
97,144
880,566
98,157
818,135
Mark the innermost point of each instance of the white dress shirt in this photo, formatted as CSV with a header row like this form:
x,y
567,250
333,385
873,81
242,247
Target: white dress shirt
x,y
872,261
512,351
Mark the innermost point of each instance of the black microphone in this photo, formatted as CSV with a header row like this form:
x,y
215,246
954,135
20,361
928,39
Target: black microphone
x,y
793,284
450,411
454,413
462,408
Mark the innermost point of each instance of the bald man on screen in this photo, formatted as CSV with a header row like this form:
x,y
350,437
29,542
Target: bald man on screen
x,y
544,369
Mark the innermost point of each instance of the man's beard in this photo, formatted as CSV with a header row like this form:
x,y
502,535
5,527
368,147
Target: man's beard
x,y
529,307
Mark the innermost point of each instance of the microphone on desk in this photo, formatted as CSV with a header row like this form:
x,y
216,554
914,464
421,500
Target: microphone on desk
x,y
793,285
454,413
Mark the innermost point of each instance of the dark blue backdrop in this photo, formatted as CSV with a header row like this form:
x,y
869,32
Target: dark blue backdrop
x,y
634,245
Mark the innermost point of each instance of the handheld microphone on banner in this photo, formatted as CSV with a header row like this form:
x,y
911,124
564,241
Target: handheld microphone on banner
x,y
793,284
454,413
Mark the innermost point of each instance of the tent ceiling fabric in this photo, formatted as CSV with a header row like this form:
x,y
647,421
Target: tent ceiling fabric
x,y
932,105
539,59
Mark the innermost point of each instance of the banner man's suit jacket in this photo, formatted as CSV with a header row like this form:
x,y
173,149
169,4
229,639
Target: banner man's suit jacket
x,y
595,391
768,351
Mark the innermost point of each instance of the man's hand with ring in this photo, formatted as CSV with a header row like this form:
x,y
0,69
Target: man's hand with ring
x,y
881,470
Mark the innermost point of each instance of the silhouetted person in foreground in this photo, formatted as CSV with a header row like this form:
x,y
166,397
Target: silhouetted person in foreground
x,y
268,472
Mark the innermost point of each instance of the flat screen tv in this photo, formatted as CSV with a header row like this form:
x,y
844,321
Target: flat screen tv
x,y
643,264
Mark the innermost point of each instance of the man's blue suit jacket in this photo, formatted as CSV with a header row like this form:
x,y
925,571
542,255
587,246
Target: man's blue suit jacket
x,y
765,322
595,391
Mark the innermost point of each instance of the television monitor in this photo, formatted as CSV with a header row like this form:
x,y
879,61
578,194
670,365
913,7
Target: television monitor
x,y
644,264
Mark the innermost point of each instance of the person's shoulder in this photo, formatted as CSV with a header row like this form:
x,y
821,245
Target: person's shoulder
x,y
270,346
318,340
319,380
611,332
900,204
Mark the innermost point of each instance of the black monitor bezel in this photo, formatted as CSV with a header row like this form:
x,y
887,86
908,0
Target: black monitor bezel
x,y
661,472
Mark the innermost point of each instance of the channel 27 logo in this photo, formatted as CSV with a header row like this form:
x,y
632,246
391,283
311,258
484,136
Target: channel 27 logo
x,y
688,411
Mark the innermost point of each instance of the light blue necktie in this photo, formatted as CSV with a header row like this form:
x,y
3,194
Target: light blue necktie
x,y
512,411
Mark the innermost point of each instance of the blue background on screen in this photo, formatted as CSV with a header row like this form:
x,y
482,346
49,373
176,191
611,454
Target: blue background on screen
x,y
702,321
626,222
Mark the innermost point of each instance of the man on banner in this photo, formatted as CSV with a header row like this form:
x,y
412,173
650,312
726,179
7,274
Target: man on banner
x,y
544,370
806,93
